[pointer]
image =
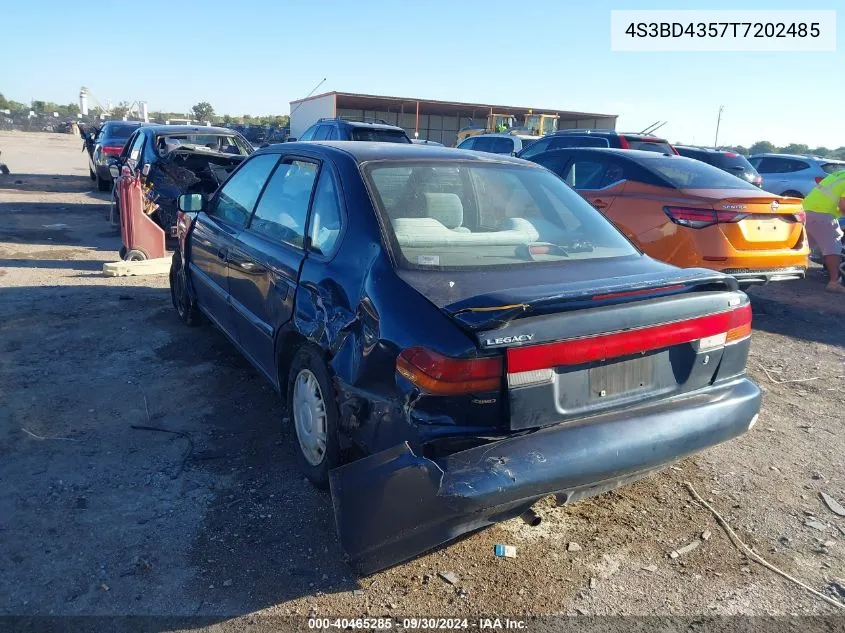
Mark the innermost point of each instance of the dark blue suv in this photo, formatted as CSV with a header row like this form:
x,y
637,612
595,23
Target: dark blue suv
x,y
466,326
344,130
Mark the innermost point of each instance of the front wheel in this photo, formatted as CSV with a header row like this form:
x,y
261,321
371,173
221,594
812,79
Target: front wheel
x,y
314,414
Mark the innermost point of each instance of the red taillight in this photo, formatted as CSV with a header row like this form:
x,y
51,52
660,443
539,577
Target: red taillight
x,y
440,375
731,154
818,179
623,142
700,218
112,150
734,325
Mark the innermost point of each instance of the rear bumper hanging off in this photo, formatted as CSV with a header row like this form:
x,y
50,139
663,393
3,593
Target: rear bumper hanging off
x,y
394,505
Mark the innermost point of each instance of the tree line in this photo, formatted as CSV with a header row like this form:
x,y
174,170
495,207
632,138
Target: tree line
x,y
201,112
765,147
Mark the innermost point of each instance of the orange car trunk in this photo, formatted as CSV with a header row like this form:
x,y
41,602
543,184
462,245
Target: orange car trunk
x,y
765,225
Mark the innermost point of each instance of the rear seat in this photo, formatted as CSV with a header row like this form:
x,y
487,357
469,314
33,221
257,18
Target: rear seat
x,y
443,227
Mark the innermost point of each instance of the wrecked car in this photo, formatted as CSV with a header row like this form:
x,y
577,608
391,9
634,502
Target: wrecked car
x,y
178,159
456,335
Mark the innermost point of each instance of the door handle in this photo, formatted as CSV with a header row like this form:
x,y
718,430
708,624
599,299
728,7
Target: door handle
x,y
599,204
221,254
247,265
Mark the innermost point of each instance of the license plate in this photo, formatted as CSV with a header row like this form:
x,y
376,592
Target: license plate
x,y
616,379
767,230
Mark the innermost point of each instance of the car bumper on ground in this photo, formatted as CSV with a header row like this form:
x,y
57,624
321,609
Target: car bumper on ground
x,y
394,505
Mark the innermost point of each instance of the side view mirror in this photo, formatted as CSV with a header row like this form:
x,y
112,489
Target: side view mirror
x,y
291,139
145,170
191,203
114,170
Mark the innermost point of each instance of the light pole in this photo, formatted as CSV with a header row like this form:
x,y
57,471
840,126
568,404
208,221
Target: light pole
x,y
718,121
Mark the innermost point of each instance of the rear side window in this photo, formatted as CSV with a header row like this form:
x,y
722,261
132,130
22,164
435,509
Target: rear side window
x,y
237,197
379,135
325,215
467,143
832,168
283,209
502,145
776,165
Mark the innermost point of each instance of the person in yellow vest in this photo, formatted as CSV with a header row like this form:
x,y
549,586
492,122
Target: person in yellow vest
x,y
823,205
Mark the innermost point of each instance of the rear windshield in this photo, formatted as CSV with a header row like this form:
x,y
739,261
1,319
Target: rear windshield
x,y
461,214
380,136
578,141
688,173
650,145
731,161
119,131
832,168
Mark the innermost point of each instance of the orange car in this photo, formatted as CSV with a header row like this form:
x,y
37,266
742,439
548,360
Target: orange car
x,y
688,213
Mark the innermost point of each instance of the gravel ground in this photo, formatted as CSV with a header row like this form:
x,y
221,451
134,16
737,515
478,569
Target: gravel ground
x,y
212,518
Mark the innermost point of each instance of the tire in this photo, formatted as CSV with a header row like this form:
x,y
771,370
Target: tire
x,y
91,174
135,255
103,184
186,306
310,395
122,252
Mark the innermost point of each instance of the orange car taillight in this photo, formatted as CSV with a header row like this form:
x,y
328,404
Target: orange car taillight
x,y
444,376
700,218
712,330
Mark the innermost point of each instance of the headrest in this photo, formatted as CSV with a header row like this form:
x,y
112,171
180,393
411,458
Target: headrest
x,y
445,208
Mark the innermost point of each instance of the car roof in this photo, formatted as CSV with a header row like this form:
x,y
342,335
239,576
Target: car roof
x,y
377,126
159,129
117,122
632,154
363,151
795,156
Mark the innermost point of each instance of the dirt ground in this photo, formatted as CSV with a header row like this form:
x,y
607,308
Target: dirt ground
x,y
97,517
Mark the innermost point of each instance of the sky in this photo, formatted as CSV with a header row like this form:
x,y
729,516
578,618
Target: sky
x,y
255,56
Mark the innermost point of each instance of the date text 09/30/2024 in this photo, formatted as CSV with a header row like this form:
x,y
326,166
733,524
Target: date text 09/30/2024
x,y
410,624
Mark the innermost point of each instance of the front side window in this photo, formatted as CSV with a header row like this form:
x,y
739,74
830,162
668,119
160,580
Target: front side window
x,y
536,147
237,197
322,132
585,173
468,143
137,146
283,209
461,214
308,135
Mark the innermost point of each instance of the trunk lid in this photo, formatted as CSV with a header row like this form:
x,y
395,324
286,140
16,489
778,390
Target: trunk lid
x,y
594,343
767,221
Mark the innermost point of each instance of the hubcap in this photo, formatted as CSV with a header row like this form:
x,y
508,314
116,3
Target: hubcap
x,y
309,417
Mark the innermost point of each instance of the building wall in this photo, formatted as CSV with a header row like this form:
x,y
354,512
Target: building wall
x,y
305,113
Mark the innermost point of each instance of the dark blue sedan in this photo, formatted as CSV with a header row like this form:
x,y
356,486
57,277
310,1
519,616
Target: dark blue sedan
x,y
468,323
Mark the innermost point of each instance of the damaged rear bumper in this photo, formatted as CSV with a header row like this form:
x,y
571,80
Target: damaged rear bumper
x,y
394,505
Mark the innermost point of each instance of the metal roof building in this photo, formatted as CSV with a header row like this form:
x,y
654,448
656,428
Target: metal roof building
x,y
424,118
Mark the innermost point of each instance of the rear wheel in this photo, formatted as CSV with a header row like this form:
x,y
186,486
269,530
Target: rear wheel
x,y
185,306
314,414
103,184
91,174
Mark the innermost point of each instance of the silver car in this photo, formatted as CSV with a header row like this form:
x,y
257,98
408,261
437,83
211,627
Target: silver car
x,y
498,143
792,174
